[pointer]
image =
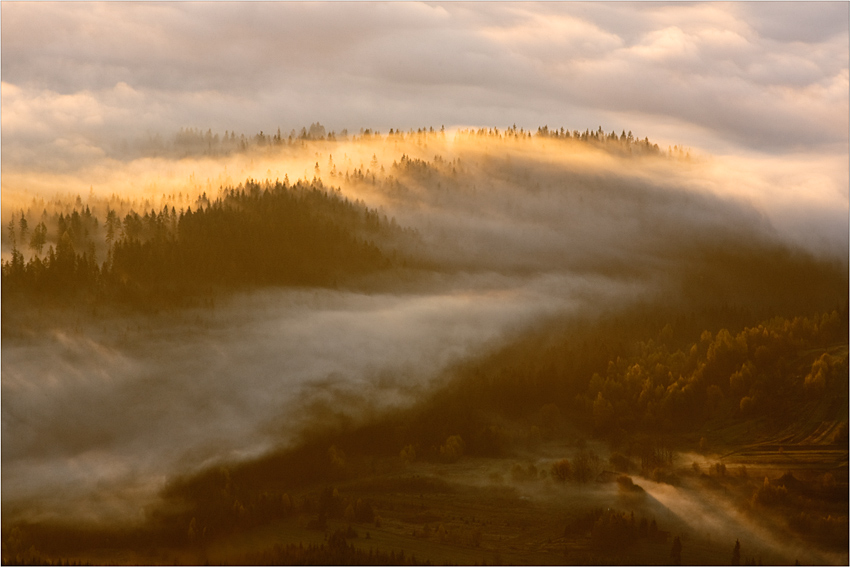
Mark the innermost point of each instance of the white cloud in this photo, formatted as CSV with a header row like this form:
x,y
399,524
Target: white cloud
x,y
668,44
112,71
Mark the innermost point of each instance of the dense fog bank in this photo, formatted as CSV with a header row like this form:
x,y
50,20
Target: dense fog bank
x,y
115,407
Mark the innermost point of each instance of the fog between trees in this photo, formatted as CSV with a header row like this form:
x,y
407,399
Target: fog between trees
x,y
301,288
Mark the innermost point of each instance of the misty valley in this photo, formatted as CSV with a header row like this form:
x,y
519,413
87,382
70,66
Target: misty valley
x,y
467,346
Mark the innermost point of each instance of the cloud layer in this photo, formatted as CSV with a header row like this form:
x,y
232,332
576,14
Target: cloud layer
x,y
767,77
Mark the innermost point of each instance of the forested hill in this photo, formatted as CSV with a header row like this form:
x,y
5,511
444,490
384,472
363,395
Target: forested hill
x,y
251,235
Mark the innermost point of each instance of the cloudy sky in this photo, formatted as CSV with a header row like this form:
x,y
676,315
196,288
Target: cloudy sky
x,y
766,78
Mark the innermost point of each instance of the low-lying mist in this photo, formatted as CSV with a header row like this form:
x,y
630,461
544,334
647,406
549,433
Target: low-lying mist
x,y
114,406
718,518
512,231
502,184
